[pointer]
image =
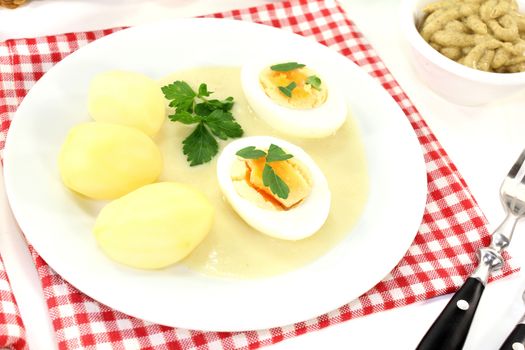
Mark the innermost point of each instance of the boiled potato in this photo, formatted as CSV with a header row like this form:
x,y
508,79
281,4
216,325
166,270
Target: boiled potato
x,y
127,98
106,161
154,226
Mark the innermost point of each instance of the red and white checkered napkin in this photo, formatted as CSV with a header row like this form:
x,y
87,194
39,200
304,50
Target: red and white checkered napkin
x,y
438,261
12,331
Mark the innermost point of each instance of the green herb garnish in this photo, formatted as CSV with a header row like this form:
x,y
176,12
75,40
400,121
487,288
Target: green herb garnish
x,y
251,152
200,146
269,177
276,153
287,90
213,118
274,182
286,67
314,81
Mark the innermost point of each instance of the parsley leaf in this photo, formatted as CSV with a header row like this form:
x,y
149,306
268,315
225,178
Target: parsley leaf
x,y
314,81
180,94
274,182
202,109
208,106
178,90
269,177
276,153
223,125
200,146
286,67
250,152
226,105
203,90
184,117
287,90
213,118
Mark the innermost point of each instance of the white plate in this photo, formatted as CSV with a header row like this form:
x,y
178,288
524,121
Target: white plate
x,y
59,226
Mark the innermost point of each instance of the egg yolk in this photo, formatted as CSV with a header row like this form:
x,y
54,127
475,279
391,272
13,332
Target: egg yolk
x,y
303,96
247,176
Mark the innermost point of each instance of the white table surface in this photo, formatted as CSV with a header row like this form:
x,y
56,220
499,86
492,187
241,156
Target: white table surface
x,y
483,142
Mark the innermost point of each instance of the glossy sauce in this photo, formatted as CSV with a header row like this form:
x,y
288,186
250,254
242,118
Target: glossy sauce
x,y
233,248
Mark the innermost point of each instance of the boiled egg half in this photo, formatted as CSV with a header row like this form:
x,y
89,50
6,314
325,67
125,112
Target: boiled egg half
x,y
243,181
294,98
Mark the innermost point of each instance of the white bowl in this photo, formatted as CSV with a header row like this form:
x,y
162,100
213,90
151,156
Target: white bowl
x,y
453,81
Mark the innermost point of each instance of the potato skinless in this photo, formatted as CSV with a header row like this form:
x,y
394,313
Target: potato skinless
x,y
154,226
107,161
486,35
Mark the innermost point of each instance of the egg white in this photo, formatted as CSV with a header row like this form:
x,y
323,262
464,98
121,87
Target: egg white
x,y
317,122
297,223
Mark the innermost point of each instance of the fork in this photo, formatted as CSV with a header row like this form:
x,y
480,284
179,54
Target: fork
x,y
516,339
451,328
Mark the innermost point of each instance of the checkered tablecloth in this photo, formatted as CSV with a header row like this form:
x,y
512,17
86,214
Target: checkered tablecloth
x,y
12,331
440,258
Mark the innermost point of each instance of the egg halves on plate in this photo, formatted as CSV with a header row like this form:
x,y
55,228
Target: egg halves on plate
x,y
274,186
294,98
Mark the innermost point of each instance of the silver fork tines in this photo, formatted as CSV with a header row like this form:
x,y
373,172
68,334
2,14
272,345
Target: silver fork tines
x,y
512,190
517,166
512,194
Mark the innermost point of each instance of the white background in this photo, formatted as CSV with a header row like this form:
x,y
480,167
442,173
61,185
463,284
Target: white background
x,y
483,142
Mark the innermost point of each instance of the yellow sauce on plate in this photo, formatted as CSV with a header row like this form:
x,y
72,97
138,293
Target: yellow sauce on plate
x,y
234,249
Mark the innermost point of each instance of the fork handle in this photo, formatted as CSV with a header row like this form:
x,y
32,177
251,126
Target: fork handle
x,y
516,339
450,329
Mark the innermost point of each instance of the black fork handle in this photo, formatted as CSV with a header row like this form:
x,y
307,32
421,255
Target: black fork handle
x,y
516,339
449,331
